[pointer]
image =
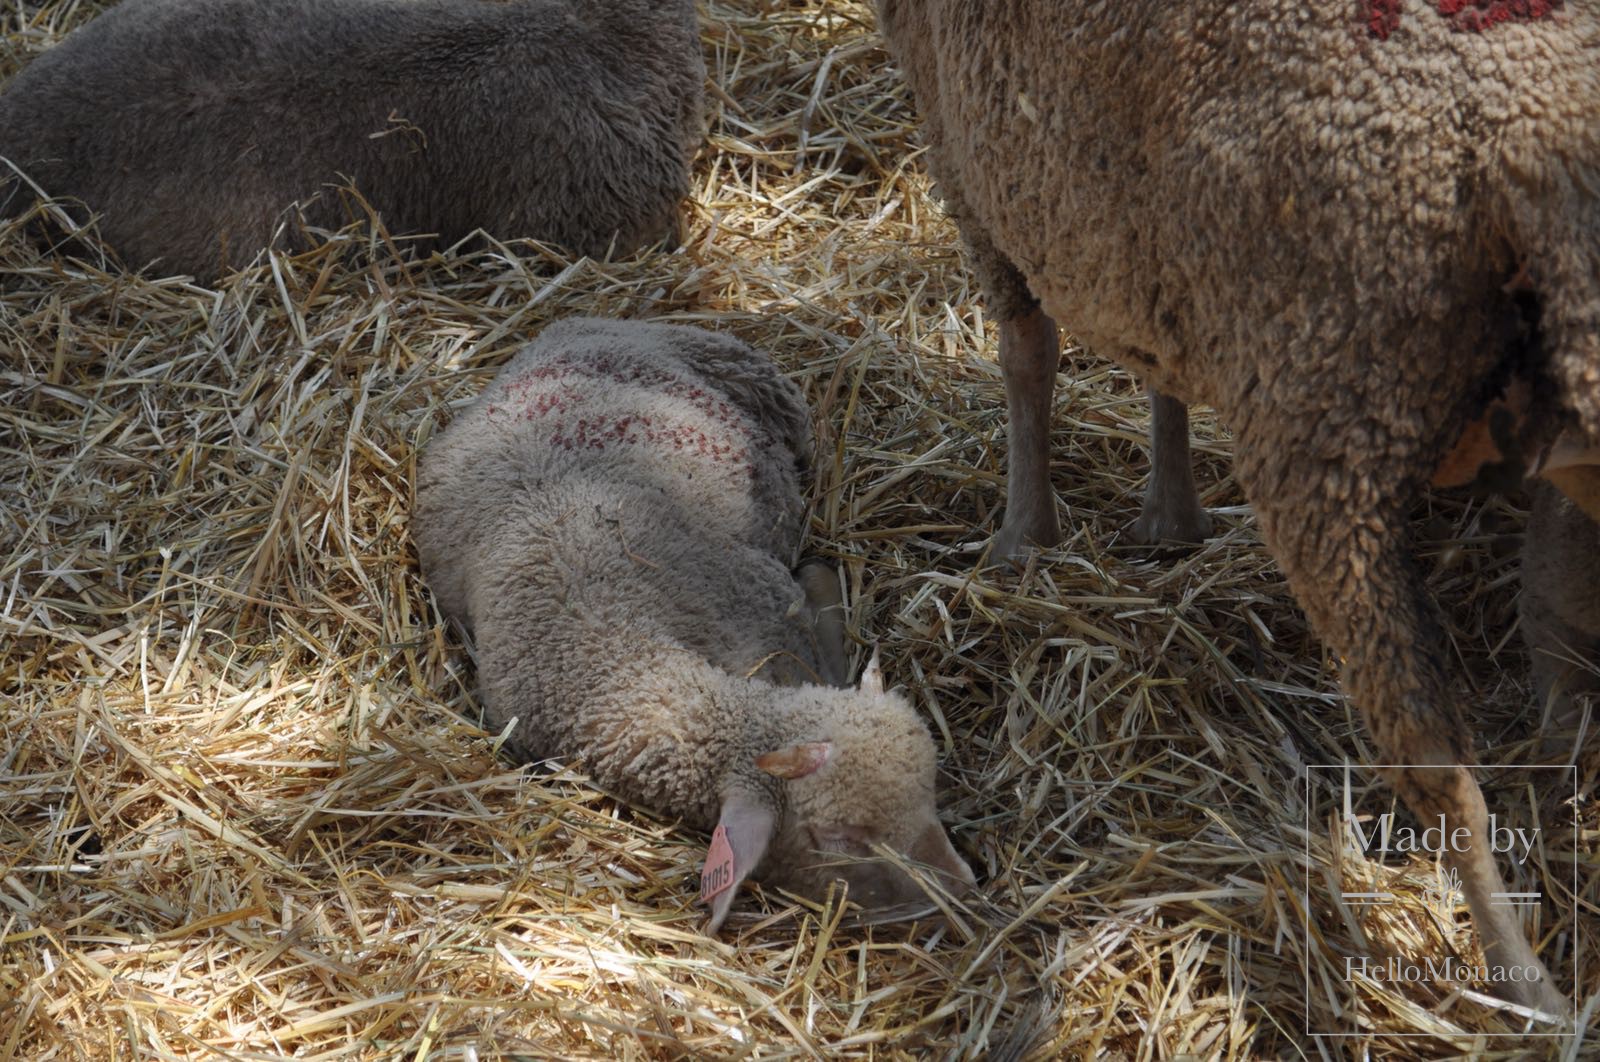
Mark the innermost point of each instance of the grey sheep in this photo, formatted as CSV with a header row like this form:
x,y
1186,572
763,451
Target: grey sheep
x,y
614,520
192,126
1343,226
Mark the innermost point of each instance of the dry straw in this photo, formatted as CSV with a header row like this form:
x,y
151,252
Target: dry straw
x,y
240,817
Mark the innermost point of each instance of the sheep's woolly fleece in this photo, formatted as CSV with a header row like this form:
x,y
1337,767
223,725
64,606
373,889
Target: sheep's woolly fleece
x,y
240,816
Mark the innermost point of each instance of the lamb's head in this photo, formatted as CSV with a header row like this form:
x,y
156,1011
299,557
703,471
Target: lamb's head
x,y
852,771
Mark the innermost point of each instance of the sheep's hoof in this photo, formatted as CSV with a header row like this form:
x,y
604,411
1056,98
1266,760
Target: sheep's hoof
x,y
1013,544
1541,996
1189,524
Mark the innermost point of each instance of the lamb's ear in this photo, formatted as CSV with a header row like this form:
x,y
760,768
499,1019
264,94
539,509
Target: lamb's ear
x,y
796,761
872,676
737,845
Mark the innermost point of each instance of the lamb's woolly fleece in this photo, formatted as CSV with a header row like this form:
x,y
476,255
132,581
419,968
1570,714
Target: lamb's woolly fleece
x,y
615,519
1343,231
191,125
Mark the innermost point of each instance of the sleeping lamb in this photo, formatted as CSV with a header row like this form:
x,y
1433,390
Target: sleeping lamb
x,y
613,519
192,126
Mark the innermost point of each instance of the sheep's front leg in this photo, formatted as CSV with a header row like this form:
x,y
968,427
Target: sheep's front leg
x,y
1172,511
1030,350
1333,513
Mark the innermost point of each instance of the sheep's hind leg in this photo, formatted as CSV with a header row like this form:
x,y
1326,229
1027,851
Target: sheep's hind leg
x,y
1172,511
1030,350
1030,353
1336,528
1563,685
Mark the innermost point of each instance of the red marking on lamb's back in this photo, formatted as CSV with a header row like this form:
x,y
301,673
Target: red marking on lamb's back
x,y
562,367
528,404
558,387
1469,16
601,432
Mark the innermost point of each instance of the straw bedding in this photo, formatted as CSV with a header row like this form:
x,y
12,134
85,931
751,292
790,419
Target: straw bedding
x,y
241,817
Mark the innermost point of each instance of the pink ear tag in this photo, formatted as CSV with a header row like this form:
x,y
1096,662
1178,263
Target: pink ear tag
x,y
717,877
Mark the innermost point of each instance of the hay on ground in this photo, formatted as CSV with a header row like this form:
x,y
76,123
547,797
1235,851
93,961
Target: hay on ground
x,y
240,816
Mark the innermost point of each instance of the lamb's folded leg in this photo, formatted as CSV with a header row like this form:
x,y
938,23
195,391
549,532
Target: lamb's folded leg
x,y
1333,512
1172,511
825,604
1030,350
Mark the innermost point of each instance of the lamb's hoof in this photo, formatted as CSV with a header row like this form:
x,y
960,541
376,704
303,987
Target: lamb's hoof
x,y
820,581
1154,527
825,603
1014,546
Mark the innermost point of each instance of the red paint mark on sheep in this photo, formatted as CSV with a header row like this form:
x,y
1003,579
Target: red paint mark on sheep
x,y
1467,16
559,386
1383,18
600,433
1475,16
652,378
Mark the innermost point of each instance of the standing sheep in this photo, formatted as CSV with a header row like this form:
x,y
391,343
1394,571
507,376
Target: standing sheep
x,y
1343,226
192,126
613,519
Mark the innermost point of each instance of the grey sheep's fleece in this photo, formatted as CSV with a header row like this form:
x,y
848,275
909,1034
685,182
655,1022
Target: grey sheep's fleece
x,y
615,518
191,126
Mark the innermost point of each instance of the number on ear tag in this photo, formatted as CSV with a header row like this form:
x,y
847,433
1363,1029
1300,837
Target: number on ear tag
x,y
717,877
